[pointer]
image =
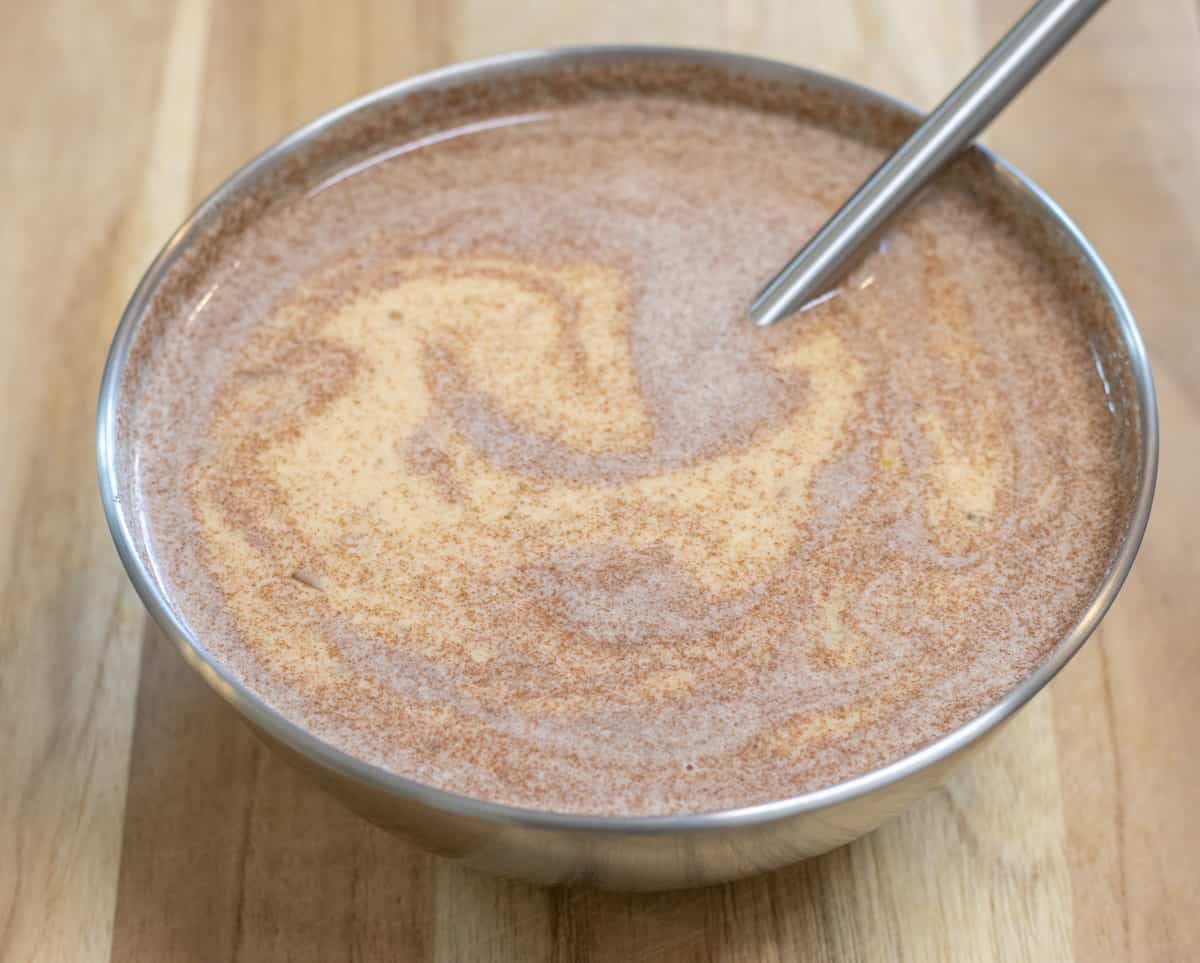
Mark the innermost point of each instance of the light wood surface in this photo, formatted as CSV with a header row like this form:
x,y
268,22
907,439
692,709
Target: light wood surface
x,y
139,821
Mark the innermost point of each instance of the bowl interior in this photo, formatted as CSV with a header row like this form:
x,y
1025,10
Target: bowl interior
x,y
471,93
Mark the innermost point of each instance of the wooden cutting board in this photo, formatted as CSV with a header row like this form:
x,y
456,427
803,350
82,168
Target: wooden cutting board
x,y
139,821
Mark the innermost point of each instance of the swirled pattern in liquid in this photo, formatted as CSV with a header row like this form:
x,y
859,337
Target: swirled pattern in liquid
x,y
497,487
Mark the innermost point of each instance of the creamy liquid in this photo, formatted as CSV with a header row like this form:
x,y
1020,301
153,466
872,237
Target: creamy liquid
x,y
480,472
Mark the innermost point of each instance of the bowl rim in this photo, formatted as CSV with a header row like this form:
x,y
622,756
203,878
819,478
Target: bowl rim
x,y
262,715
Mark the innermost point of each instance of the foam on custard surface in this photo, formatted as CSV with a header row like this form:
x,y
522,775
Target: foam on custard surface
x,y
472,464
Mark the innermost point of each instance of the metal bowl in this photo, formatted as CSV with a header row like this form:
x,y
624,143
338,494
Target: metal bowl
x,y
622,852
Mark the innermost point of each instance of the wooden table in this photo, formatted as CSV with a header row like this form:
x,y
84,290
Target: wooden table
x,y
139,821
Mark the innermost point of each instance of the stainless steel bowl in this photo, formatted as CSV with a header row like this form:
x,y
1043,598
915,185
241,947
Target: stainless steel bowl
x,y
619,852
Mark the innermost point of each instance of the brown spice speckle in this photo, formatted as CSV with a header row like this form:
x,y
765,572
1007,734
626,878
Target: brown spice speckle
x,y
538,583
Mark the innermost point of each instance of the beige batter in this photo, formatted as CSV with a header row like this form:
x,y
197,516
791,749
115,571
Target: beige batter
x,y
492,483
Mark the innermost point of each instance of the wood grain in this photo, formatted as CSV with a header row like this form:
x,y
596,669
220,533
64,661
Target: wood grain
x,y
86,201
140,821
1118,145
